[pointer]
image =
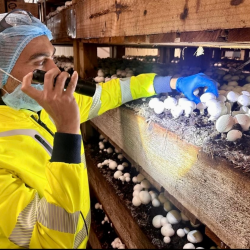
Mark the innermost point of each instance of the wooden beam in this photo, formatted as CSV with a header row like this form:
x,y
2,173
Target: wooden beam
x,y
215,239
215,192
106,18
93,240
129,233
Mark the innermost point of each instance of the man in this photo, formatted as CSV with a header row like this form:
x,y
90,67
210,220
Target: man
x,y
44,193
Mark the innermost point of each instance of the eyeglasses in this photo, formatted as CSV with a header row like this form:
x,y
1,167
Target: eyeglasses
x,y
14,18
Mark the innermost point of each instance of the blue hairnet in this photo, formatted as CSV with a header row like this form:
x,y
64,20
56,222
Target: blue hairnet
x,y
13,40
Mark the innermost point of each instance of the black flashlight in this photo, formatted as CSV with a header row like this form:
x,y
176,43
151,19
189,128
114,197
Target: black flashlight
x,y
83,87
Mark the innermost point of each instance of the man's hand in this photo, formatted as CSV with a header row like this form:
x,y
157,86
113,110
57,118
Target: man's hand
x,y
187,85
59,104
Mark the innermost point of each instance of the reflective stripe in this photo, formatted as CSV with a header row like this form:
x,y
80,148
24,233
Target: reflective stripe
x,y
82,234
28,132
125,90
26,221
96,104
83,160
57,218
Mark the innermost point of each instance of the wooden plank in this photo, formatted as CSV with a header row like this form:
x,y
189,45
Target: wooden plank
x,y
128,230
215,239
93,240
215,192
106,18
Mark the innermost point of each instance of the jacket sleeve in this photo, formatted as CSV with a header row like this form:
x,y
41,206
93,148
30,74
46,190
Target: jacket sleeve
x,y
53,221
116,92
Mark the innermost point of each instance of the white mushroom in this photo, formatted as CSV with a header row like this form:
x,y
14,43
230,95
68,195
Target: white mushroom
x,y
120,167
109,150
153,102
181,233
167,231
224,123
144,197
245,93
235,78
99,165
232,96
234,135
127,179
164,221
101,145
125,164
207,96
112,165
117,174
157,221
134,180
122,178
186,230
244,100
159,107
136,192
201,106
120,156
182,102
244,109
127,175
170,102
166,239
215,110
174,217
138,187
243,120
194,225
222,98
177,111
99,79
233,83
136,201
162,198
156,203
189,246
195,236
153,195
188,111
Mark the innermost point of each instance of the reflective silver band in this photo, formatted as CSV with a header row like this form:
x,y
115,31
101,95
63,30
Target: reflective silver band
x,y
26,221
28,132
125,90
80,237
56,218
96,104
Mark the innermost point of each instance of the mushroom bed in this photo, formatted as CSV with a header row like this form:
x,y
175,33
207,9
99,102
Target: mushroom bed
x,y
143,214
200,131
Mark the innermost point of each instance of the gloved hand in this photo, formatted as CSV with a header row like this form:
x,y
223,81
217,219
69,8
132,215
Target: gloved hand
x,y
188,84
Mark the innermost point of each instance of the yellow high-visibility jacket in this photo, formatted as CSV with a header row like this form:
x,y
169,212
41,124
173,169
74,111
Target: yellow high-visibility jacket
x,y
45,204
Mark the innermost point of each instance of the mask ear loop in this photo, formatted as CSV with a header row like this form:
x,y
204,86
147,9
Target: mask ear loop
x,y
5,91
10,75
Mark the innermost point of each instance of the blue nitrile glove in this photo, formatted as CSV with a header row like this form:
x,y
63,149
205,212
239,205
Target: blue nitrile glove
x,y
187,85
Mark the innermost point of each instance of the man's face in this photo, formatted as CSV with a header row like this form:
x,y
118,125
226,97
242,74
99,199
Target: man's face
x,y
38,54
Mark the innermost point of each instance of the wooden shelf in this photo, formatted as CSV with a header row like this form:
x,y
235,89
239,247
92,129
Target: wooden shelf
x,y
128,230
215,192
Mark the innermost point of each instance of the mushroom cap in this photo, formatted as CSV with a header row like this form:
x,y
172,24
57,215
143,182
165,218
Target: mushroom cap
x,y
120,167
215,110
201,105
184,217
232,96
153,102
243,120
138,187
181,233
134,180
167,231
227,77
224,123
112,165
117,174
234,135
166,239
140,177
244,100
164,221
170,102
167,206
244,109
207,96
127,179
174,217
136,201
182,101
153,195
159,107
245,93
125,164
195,236
176,111
157,221
211,102
127,175
109,150
222,92
221,98
122,178
156,203
145,184
145,197
188,110
136,192
189,246
235,78
162,198
186,230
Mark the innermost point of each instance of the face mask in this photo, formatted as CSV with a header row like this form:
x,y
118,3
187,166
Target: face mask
x,y
19,100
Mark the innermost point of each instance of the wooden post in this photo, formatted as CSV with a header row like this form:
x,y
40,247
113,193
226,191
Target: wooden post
x,y
85,59
166,54
119,51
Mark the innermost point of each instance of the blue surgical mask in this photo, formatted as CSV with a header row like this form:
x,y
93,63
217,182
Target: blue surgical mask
x,y
19,100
